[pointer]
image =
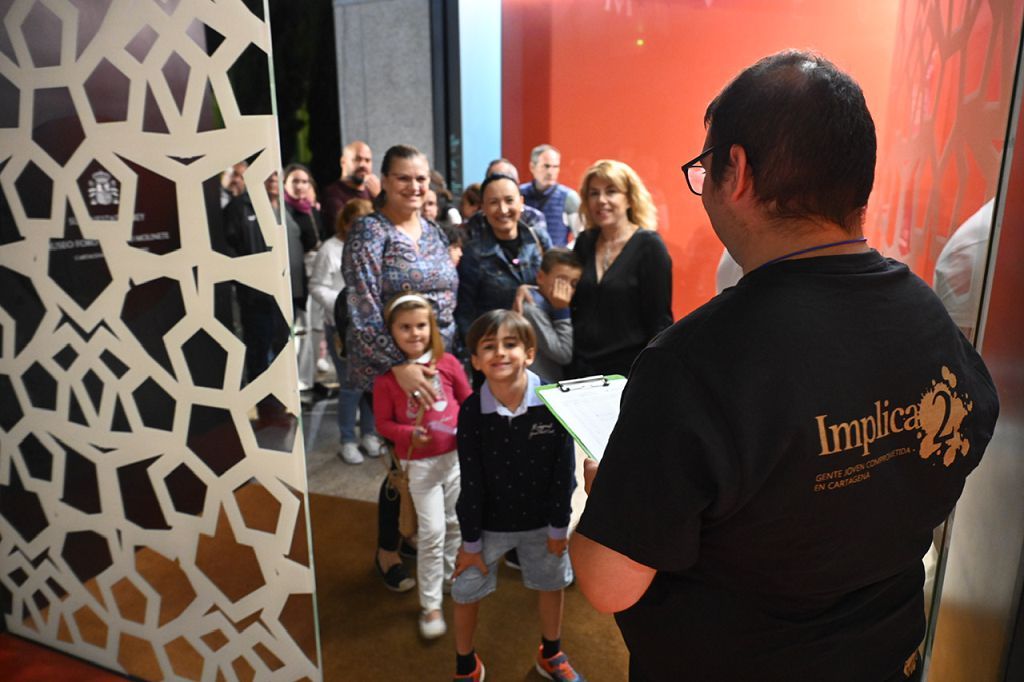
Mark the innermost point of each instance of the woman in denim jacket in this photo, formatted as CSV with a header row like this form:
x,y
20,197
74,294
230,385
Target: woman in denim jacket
x,y
505,256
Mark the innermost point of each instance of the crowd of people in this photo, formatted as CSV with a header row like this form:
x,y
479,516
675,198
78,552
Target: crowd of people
x,y
451,276
748,536
419,295
495,235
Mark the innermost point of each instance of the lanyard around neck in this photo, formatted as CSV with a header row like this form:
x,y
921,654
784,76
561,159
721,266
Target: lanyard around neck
x,y
811,249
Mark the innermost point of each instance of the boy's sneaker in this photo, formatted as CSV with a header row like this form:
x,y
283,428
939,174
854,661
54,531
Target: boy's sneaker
x,y
350,454
557,667
476,676
512,559
373,445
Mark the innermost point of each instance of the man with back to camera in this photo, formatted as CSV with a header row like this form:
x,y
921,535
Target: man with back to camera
x,y
357,181
802,433
557,202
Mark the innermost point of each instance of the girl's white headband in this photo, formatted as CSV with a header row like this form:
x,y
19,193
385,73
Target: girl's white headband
x,y
406,298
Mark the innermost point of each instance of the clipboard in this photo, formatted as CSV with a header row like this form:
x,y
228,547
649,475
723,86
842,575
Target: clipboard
x,y
588,408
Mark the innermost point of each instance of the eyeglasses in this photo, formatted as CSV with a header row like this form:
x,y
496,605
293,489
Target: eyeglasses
x,y
695,173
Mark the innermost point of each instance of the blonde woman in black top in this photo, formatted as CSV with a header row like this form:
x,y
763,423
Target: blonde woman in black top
x,y
624,297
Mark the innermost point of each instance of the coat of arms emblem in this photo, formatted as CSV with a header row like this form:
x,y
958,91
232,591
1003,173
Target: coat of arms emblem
x,y
104,190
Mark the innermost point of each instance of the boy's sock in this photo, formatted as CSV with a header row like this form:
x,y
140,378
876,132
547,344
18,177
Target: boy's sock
x,y
550,647
465,665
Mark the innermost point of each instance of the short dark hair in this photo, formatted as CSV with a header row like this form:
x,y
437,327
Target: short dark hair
x,y
494,177
398,151
807,134
472,194
495,162
489,323
559,255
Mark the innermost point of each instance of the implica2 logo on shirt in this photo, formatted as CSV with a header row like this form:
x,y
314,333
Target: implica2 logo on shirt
x,y
937,417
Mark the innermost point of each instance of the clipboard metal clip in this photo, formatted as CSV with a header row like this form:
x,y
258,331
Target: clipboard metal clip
x,y
583,382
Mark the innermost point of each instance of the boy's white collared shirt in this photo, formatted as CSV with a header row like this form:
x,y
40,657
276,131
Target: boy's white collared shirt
x,y
489,404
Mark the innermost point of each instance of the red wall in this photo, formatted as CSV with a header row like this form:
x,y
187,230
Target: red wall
x,y
953,68
574,75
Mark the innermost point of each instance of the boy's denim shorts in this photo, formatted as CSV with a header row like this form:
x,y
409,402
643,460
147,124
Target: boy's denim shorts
x,y
541,569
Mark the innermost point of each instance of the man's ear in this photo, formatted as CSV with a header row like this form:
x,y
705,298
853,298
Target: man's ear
x,y
742,174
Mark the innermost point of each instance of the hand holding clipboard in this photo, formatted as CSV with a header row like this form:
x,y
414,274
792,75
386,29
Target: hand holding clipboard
x,y
588,408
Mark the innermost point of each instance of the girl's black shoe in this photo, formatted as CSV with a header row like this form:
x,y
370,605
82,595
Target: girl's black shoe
x,y
395,578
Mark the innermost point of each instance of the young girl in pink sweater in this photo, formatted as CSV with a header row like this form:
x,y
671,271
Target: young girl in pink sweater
x,y
428,441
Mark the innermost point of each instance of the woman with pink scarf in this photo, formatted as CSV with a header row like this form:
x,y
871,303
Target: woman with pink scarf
x,y
298,200
302,222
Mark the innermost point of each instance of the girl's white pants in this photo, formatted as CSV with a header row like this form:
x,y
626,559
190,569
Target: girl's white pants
x,y
434,486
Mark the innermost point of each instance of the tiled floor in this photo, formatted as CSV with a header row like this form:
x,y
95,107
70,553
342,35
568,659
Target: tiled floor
x,y
326,472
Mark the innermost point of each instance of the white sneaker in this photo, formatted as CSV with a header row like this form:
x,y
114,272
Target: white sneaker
x,y
373,445
323,366
350,454
432,629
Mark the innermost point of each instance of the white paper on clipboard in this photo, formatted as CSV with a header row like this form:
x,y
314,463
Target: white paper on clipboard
x,y
588,408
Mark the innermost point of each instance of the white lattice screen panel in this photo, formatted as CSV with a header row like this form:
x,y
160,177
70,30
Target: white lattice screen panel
x,y
152,495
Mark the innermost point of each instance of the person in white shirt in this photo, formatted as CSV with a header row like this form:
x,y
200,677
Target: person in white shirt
x,y
325,284
960,270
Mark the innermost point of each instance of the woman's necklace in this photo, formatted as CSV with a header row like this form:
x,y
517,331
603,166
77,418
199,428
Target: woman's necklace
x,y
613,247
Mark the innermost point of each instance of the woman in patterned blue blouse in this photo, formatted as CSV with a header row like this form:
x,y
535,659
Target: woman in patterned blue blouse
x,y
388,252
